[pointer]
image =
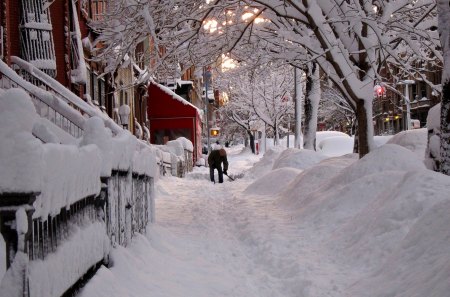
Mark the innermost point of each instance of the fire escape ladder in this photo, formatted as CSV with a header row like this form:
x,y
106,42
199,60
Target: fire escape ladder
x,y
78,66
37,45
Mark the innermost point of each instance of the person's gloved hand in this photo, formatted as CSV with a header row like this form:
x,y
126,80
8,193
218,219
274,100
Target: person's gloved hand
x,y
225,172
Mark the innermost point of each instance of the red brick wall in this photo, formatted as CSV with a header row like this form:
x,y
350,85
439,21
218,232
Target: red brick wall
x,y
59,16
12,35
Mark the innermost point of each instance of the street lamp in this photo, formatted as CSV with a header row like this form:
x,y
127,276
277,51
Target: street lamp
x,y
207,80
124,113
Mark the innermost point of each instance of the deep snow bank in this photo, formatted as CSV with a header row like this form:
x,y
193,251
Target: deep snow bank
x,y
384,218
273,182
297,158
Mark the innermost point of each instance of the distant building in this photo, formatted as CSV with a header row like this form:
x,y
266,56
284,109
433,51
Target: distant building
x,y
390,108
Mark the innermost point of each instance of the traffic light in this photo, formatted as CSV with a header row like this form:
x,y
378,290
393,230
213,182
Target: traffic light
x,y
379,90
214,132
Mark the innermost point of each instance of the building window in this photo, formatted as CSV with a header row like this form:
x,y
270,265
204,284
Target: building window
x,y
423,90
97,9
101,91
414,92
1,42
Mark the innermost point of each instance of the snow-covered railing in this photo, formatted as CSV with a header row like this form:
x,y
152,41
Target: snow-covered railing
x,y
47,105
176,157
59,203
37,77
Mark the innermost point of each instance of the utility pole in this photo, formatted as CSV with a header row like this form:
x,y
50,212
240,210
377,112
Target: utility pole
x,y
408,103
206,78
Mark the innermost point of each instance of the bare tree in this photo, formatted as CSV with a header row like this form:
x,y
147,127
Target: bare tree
x,y
335,110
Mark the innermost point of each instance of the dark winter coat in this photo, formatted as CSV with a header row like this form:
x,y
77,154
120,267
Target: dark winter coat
x,y
216,157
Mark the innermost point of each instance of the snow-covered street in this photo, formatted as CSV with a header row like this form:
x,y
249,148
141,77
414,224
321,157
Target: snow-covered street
x,y
231,239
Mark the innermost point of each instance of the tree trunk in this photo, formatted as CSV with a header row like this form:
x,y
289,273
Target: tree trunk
x,y
298,108
312,98
355,135
252,141
364,129
445,128
277,133
444,34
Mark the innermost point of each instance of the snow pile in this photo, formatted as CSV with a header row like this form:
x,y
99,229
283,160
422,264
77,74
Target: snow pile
x,y
414,140
177,148
273,182
433,154
311,179
264,165
86,246
434,118
401,238
379,140
20,152
297,158
395,158
385,223
187,144
321,135
336,146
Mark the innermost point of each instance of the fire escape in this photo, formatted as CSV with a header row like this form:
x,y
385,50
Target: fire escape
x,y
36,36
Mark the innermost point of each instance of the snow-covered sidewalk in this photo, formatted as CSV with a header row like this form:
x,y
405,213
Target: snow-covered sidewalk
x,y
341,227
208,240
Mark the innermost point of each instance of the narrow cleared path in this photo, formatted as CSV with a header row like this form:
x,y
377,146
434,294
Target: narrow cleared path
x,y
213,240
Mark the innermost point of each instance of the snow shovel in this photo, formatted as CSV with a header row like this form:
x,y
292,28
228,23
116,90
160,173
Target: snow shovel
x,y
232,179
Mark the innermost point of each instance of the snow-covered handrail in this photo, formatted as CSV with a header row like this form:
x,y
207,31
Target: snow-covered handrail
x,y
65,94
48,105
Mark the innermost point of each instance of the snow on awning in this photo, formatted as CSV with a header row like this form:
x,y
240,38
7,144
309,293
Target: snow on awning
x,y
179,98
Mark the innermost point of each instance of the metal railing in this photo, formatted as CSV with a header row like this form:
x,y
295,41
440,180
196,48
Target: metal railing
x,y
125,205
55,113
